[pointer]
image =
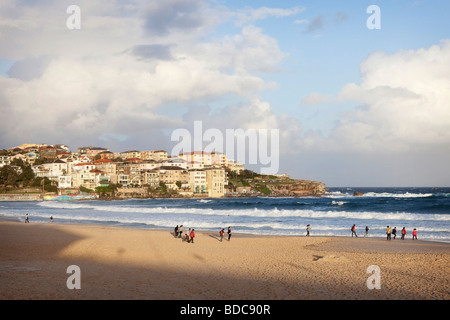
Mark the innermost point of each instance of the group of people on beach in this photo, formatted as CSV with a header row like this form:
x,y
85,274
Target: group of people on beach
x,y
393,232
221,233
190,234
389,232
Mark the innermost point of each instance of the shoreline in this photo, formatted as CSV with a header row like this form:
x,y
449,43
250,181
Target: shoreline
x,y
125,263
215,233
239,234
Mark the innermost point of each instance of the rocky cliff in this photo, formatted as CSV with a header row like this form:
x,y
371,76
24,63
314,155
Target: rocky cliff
x,y
297,188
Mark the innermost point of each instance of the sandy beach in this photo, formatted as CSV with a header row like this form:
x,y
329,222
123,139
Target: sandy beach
x,y
123,263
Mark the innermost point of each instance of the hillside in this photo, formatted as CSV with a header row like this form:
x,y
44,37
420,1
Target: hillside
x,y
249,183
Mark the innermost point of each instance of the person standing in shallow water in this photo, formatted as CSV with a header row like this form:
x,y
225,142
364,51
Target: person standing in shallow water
x,y
26,218
308,228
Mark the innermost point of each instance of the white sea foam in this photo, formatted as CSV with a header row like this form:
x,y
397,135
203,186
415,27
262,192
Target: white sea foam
x,y
398,195
253,212
338,203
339,194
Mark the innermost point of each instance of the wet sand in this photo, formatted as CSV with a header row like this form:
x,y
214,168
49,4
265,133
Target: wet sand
x,y
124,263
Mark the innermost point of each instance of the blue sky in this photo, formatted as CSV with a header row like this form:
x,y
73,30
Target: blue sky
x,y
354,107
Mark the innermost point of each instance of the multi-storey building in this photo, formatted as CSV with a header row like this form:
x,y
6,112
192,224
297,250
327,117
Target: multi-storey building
x,y
205,158
151,178
130,154
108,167
171,175
94,151
198,182
216,179
156,155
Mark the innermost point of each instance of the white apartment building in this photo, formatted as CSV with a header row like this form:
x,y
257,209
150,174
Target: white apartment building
x,y
198,182
4,161
205,158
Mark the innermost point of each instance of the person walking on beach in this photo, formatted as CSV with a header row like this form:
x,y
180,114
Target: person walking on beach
x,y
192,236
180,231
308,228
26,218
394,232
388,233
51,219
367,231
221,234
229,233
354,231
414,234
175,231
403,233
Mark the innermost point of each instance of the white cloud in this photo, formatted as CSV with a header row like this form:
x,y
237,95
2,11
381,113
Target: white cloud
x,y
251,15
400,105
110,78
404,99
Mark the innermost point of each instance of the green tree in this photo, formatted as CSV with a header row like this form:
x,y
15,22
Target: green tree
x,y
18,162
27,175
8,176
163,186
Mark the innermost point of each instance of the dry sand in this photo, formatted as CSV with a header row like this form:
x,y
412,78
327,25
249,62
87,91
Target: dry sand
x,y
122,263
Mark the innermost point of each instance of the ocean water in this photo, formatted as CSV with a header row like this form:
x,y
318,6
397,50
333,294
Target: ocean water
x,y
426,209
